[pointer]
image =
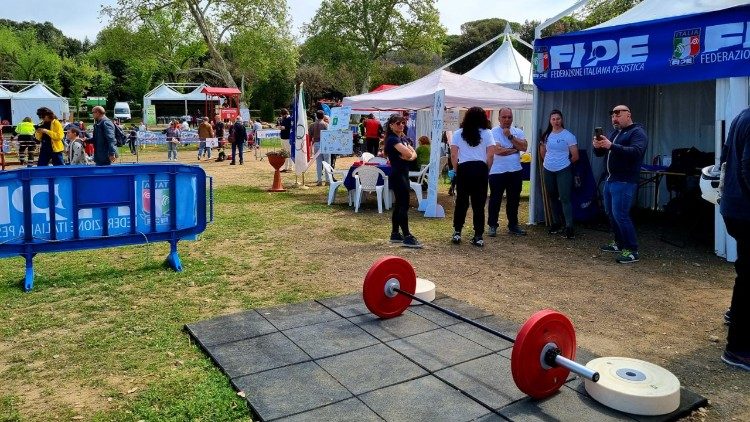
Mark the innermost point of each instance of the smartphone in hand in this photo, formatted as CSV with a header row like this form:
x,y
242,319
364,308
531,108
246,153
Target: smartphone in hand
x,y
598,132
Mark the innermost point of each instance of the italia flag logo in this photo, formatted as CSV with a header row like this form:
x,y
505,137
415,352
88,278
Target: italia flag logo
x,y
687,43
541,60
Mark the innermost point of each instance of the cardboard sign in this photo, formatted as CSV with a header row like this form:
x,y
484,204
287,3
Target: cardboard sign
x,y
212,142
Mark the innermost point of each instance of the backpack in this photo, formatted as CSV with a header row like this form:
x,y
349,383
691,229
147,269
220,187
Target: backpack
x,y
120,138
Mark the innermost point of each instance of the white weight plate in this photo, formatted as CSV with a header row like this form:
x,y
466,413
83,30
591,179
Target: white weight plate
x,y
425,291
634,386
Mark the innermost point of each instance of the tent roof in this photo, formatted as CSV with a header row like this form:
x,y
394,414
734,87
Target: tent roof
x,y
649,10
384,87
4,93
504,66
36,91
460,91
163,92
198,94
219,90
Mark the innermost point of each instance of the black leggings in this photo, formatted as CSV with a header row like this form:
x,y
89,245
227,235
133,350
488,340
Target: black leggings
x,y
400,217
471,185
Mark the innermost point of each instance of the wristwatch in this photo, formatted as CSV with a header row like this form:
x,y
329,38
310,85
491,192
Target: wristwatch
x,y
510,137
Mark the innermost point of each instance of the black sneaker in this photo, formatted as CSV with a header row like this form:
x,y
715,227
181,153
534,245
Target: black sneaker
x,y
515,230
627,257
477,241
492,231
411,242
569,233
396,238
555,229
456,239
728,316
610,247
738,360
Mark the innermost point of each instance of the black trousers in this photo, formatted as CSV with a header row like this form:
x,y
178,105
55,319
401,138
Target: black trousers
x,y
471,186
26,148
372,145
46,155
509,183
738,338
400,217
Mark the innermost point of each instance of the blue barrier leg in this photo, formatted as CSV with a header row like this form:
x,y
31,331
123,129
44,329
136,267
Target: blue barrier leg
x,y
173,259
28,282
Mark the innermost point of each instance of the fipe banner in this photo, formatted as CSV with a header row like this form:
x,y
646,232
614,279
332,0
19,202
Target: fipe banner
x,y
70,192
683,49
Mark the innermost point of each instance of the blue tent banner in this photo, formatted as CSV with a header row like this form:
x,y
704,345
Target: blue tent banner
x,y
673,50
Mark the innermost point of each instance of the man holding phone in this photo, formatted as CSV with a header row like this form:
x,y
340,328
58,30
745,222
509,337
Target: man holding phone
x,y
623,151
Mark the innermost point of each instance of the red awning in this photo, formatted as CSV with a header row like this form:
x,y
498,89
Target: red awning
x,y
384,87
211,90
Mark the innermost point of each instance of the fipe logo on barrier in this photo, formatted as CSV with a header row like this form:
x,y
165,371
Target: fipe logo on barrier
x,y
39,202
622,51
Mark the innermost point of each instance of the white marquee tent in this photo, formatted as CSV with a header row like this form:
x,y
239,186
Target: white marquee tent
x,y
25,102
675,115
506,67
460,91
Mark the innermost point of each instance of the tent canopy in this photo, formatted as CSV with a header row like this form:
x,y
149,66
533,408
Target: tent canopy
x,y
384,87
460,91
505,66
219,91
25,102
163,92
669,47
683,75
5,94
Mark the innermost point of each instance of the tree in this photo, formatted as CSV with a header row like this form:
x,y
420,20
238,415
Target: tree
x,y
369,29
214,20
25,58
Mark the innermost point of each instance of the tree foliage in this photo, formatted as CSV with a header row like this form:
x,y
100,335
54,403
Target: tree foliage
x,y
24,57
363,31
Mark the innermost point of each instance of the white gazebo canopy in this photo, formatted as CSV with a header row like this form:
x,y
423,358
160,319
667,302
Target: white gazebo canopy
x,y
28,100
460,91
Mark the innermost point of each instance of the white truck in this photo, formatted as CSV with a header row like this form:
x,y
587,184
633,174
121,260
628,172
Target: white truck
x,y
122,111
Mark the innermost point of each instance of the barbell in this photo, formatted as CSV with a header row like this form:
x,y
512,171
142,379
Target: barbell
x,y
543,350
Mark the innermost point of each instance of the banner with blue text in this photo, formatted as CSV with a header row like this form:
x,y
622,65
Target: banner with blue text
x,y
683,49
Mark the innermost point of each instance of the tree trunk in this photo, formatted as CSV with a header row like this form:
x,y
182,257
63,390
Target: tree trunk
x,y
367,80
218,59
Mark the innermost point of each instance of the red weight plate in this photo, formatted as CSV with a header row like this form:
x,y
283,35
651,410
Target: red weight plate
x,y
546,326
373,289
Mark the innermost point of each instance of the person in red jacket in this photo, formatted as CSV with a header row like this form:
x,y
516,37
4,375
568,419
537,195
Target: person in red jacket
x,y
373,132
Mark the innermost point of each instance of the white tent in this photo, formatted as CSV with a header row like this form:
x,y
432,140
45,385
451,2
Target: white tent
x,y
676,107
506,67
460,91
25,102
165,93
5,94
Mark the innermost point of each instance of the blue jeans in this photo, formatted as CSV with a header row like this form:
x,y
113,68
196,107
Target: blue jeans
x,y
618,199
237,147
202,148
319,161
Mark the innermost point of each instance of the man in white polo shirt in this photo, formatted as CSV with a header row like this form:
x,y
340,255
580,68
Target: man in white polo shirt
x,y
505,174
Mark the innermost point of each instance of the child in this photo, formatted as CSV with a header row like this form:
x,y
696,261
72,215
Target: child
x,y
76,149
173,139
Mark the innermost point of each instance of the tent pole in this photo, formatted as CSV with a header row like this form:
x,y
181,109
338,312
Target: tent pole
x,y
470,52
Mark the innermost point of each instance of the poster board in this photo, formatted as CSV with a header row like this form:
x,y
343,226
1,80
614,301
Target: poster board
x,y
340,118
151,115
212,142
432,208
450,120
336,141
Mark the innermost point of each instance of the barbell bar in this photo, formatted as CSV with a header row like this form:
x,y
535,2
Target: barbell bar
x,y
544,349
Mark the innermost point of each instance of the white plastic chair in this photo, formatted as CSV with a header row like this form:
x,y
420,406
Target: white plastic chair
x,y
367,156
366,178
333,185
417,188
378,160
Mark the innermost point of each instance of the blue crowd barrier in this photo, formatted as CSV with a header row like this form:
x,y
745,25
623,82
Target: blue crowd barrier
x,y
67,208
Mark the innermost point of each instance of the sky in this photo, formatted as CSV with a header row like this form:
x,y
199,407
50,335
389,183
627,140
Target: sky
x,y
80,18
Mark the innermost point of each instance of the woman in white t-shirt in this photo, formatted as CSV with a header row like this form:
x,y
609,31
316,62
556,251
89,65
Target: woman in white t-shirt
x,y
472,150
559,149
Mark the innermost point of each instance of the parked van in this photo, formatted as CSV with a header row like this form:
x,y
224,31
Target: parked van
x,y
122,111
